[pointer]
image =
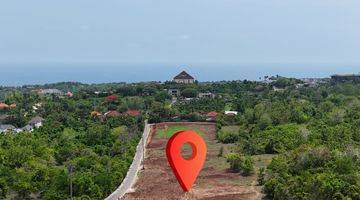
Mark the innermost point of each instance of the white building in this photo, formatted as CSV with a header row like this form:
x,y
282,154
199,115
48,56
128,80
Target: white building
x,y
231,112
36,122
206,95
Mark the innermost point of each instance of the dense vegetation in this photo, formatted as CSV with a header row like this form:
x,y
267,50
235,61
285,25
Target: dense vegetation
x,y
313,131
73,154
316,133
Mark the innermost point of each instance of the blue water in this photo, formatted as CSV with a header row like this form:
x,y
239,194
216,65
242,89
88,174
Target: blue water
x,y
16,75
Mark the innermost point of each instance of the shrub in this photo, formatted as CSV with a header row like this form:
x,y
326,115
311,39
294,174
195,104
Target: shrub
x,y
247,166
239,163
234,160
227,137
264,121
261,176
313,173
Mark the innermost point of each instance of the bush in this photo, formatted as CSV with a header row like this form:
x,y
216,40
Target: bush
x,y
227,137
264,121
239,163
273,140
247,166
234,160
189,93
261,176
313,173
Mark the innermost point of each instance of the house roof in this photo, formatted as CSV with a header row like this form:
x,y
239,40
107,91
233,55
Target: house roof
x,y
111,98
28,128
3,106
134,113
344,75
36,120
112,113
69,94
3,116
231,112
4,127
212,114
50,91
183,75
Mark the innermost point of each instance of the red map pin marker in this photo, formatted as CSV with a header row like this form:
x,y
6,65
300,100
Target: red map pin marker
x,y
186,170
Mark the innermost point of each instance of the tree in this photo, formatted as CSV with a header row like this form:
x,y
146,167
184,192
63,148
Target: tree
x,y
337,116
234,160
264,121
3,188
189,93
240,163
162,96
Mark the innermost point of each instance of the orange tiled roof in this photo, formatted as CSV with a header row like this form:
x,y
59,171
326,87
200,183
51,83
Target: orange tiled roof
x,y
69,94
3,106
134,113
212,114
111,98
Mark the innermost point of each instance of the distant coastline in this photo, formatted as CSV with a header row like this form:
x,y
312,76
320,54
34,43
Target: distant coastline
x,y
18,75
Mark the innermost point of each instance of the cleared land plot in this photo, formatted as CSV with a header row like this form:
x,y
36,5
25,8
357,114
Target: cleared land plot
x,y
214,182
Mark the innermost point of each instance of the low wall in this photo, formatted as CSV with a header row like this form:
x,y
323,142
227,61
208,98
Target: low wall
x,y
135,166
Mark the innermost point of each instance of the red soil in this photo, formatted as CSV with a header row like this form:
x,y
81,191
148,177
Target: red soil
x,y
157,181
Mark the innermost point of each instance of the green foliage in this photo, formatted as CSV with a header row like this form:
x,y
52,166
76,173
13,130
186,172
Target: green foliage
x,y
235,161
313,173
162,96
283,82
314,130
261,176
239,163
227,136
189,93
264,121
278,139
167,132
37,163
247,166
201,105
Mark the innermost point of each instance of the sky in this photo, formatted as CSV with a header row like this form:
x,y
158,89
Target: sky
x,y
70,33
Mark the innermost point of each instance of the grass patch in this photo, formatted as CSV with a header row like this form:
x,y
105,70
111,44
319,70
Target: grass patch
x,y
230,129
169,131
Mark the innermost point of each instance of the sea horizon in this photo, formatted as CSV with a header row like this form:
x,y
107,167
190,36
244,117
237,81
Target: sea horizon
x,y
38,74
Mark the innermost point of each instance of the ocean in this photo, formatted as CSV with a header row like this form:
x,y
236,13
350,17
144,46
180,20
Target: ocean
x,y
17,75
